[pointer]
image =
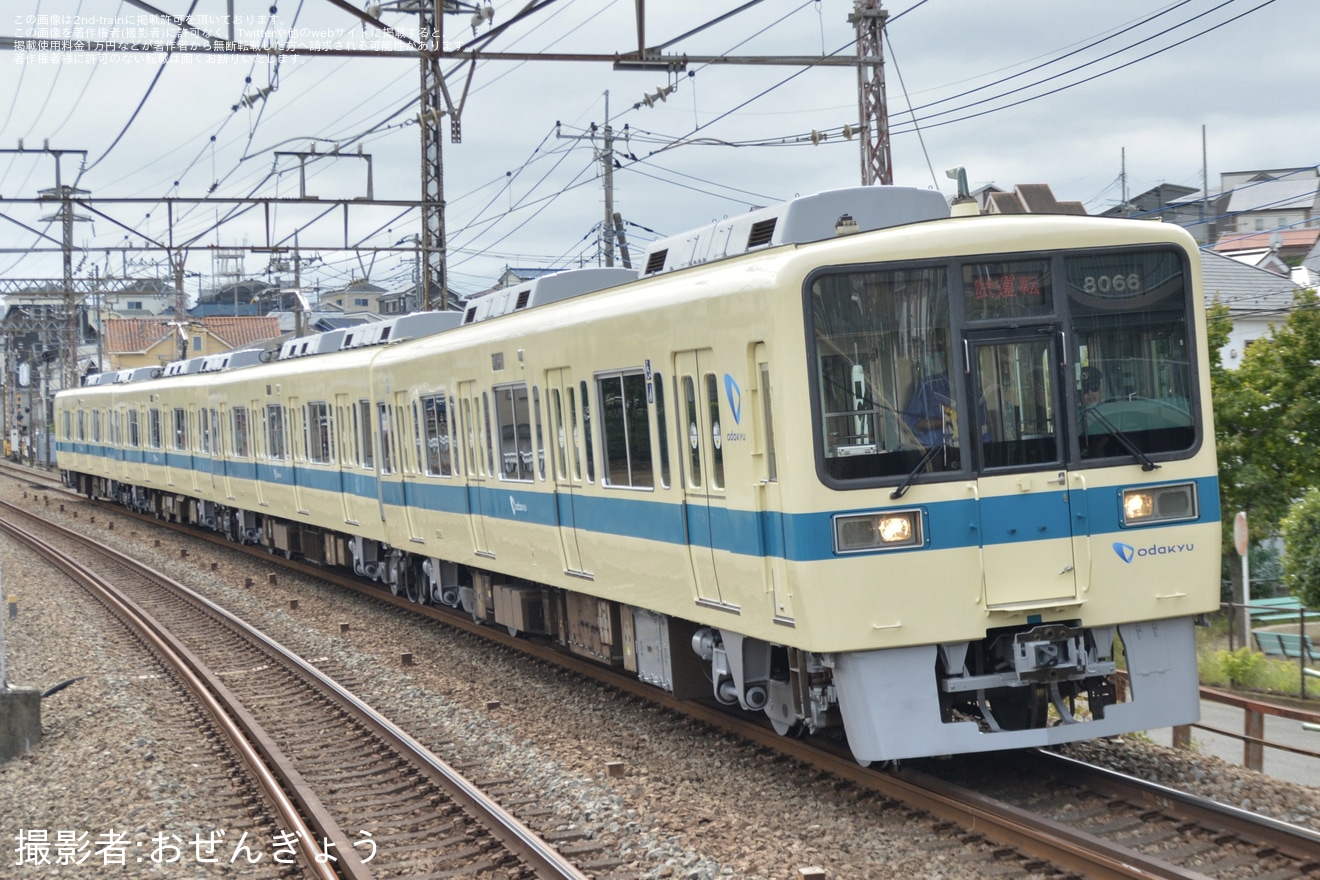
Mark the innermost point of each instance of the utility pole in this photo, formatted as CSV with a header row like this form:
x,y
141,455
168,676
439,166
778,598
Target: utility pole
x,y
1122,179
607,160
869,19
65,195
177,260
612,223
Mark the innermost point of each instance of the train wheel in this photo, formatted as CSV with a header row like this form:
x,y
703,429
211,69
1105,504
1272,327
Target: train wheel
x,y
787,728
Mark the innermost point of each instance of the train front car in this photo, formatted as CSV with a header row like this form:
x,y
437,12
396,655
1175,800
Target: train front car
x,y
1017,486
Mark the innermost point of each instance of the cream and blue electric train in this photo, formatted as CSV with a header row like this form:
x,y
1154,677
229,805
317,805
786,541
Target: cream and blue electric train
x,y
850,462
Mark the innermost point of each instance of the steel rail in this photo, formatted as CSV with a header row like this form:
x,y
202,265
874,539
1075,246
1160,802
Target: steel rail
x,y
519,839
1036,836
1292,840
205,688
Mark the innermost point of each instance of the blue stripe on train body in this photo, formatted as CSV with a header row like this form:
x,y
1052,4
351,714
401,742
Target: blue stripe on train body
x,y
797,537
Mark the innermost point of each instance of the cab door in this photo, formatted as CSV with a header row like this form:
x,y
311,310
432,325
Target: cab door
x,y
1026,508
769,498
705,509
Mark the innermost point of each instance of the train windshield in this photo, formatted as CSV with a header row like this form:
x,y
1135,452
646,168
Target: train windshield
x,y
1047,360
1132,361
882,364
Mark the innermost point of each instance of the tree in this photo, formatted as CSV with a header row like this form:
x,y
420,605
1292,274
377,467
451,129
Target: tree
x,y
1267,418
1301,535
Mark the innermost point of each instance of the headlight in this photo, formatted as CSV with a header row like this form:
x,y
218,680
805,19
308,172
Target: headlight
x,y
1152,504
877,531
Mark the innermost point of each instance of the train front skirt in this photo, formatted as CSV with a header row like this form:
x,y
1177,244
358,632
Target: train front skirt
x,y
890,700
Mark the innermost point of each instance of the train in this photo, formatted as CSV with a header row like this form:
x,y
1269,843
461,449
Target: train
x,y
872,464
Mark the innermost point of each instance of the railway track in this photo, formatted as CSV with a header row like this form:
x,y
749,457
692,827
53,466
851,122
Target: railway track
x,y
356,797
1126,829
1193,836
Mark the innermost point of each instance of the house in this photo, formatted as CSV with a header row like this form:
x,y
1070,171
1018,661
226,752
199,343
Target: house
x,y
1288,246
359,296
1260,201
151,342
1171,203
139,298
1257,299
1027,198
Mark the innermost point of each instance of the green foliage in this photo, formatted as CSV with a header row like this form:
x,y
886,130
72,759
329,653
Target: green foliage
x,y
1301,537
1267,418
1249,669
1240,665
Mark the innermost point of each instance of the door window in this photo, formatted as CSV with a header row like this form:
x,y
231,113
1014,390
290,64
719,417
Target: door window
x,y
1016,397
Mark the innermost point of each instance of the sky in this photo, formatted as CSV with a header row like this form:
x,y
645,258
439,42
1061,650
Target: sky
x,y
1093,98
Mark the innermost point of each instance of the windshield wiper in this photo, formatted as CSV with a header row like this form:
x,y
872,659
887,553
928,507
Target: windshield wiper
x,y
1124,439
912,475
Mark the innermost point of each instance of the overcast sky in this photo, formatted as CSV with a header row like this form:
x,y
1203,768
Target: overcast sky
x,y
726,138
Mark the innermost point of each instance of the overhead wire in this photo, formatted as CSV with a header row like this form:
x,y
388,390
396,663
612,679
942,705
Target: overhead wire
x,y
1071,85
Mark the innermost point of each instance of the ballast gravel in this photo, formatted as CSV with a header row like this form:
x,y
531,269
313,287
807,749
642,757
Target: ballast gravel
x,y
691,804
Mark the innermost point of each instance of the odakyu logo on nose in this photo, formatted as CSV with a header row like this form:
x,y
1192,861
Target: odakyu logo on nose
x,y
1125,551
734,394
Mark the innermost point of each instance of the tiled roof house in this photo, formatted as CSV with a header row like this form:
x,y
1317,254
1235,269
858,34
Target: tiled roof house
x,y
143,342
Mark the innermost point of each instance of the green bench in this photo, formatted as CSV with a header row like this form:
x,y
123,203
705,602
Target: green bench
x,y
1287,646
1280,609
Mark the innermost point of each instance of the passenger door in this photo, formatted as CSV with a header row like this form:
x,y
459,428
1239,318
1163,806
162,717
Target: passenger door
x,y
1026,508
704,506
566,464
474,474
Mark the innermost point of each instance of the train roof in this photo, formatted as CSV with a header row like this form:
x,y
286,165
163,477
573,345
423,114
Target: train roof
x,y
411,326
798,221
544,290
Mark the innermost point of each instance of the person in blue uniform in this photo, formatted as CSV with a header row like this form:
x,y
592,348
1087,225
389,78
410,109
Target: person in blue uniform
x,y
930,412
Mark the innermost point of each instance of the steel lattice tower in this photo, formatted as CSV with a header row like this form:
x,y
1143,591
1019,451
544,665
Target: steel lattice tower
x,y
869,19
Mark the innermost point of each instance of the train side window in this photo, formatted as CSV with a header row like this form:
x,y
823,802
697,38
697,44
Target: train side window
x,y
400,442
134,432
451,434
717,453
116,428
470,440
560,435
204,434
386,451
515,437
82,425
435,420
364,432
423,466
625,430
240,432
586,433
771,466
274,418
96,426
153,428
540,437
320,428
694,433
577,440
490,441
662,428
180,428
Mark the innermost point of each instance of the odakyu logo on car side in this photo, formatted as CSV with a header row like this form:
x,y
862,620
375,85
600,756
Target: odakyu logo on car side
x,y
734,395
1127,552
